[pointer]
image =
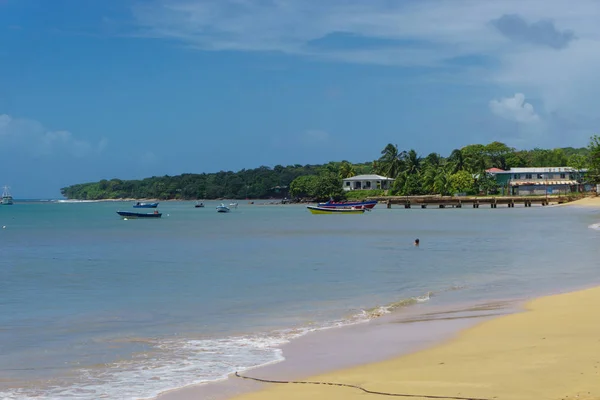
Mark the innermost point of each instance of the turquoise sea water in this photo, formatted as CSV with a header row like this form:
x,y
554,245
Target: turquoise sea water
x,y
93,306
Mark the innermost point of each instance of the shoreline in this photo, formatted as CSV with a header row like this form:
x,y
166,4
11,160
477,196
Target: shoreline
x,y
333,335
332,353
549,350
248,201
397,334
586,202
231,387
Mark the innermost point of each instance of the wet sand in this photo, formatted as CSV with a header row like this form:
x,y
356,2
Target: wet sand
x,y
551,351
410,330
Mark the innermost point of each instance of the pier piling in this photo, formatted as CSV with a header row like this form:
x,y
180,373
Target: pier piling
x,y
475,201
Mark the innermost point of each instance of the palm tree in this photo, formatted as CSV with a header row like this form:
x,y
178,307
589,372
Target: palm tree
x,y
374,166
457,161
430,167
330,167
390,163
347,170
476,163
441,183
433,159
412,162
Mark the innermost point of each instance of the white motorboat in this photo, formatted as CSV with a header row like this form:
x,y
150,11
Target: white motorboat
x,y
223,208
7,199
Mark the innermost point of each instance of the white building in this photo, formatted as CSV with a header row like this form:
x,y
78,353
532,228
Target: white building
x,y
367,182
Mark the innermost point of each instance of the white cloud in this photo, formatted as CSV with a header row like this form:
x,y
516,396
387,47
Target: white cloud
x,y
25,135
427,31
565,80
515,109
545,48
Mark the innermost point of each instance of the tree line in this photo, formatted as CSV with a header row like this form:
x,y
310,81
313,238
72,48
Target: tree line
x,y
258,183
462,171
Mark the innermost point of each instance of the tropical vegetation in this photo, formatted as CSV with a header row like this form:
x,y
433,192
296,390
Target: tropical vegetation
x,y
462,171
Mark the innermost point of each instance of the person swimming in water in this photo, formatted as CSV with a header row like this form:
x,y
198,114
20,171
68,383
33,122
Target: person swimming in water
x,y
416,242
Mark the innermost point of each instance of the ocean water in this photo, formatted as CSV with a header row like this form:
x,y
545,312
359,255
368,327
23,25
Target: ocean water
x,y
93,306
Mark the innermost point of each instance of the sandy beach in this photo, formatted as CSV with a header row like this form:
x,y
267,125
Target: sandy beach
x,y
592,202
393,335
549,351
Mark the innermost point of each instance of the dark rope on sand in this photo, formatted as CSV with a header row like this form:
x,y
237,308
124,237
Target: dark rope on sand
x,y
423,396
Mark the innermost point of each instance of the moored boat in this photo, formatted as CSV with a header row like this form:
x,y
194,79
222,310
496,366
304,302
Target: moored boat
x,y
145,205
7,199
348,204
223,208
130,214
334,210
199,204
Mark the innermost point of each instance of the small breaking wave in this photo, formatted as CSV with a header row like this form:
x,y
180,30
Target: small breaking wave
x,y
172,363
595,226
177,362
380,311
387,309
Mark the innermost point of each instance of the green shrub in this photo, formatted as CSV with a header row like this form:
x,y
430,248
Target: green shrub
x,y
363,194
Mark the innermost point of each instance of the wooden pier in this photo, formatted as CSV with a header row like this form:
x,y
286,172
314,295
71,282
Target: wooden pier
x,y
470,201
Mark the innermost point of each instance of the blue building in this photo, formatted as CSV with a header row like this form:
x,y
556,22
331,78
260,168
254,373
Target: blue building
x,y
539,181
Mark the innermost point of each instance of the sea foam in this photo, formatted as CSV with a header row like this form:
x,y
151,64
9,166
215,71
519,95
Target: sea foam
x,y
177,362
595,226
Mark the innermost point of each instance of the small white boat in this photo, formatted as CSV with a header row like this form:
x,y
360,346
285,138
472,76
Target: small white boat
x,y
223,208
7,199
233,205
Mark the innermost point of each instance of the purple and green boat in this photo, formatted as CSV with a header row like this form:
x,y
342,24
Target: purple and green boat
x,y
369,204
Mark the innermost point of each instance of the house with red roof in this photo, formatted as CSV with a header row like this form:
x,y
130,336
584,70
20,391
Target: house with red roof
x,y
538,181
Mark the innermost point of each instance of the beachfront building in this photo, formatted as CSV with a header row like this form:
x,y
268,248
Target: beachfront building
x,y
367,182
538,181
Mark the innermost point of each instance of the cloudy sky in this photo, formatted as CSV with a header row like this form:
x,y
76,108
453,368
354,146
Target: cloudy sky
x,y
93,89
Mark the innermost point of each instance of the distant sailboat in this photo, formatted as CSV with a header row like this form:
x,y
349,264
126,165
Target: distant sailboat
x,y
7,199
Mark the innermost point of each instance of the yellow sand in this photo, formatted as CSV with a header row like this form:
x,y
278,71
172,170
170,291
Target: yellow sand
x,y
551,351
586,202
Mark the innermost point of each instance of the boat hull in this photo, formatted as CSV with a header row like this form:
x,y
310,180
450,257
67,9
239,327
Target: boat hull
x,y
324,210
128,214
366,204
145,205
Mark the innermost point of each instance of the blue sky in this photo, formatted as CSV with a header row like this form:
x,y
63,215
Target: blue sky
x,y
119,88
